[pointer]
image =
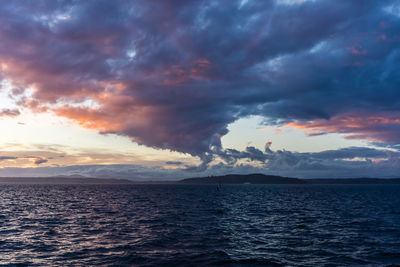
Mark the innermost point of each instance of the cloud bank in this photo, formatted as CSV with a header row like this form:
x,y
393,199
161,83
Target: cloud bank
x,y
342,163
174,74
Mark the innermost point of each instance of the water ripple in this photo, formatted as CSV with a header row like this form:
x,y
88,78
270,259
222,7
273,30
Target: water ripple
x,y
181,225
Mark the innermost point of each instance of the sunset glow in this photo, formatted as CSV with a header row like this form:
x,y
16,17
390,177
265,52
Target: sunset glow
x,y
165,90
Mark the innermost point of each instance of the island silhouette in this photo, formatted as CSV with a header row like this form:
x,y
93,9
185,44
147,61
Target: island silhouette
x,y
256,178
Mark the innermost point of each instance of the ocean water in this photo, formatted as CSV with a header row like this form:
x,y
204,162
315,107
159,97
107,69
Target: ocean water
x,y
196,225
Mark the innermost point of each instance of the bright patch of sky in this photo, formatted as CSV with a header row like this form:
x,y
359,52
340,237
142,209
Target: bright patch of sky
x,y
46,128
293,2
131,53
250,132
242,3
5,101
393,9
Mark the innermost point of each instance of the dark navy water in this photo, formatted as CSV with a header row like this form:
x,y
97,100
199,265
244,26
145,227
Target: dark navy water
x,y
196,225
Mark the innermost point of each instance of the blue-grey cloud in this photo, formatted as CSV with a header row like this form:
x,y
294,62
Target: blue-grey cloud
x,y
174,162
6,158
39,161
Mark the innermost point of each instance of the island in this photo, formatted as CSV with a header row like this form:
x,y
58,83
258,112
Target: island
x,y
243,179
256,178
62,180
272,179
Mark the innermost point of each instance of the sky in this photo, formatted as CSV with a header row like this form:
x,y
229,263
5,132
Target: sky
x,y
162,90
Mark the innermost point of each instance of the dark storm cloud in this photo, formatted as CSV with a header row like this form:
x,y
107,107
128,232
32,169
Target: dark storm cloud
x,y
174,74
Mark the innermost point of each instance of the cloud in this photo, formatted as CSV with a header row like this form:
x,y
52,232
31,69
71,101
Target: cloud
x,y
345,162
381,127
342,163
174,74
39,161
9,112
6,158
35,159
173,162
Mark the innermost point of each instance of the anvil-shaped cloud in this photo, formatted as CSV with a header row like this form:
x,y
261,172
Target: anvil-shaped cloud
x,y
174,74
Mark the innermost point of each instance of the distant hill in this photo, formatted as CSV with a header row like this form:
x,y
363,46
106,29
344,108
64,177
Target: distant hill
x,y
225,179
271,179
241,179
61,180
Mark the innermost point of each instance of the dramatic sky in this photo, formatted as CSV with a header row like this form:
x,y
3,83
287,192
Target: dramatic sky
x,y
169,89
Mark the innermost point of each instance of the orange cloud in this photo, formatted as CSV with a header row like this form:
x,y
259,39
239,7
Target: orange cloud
x,y
381,127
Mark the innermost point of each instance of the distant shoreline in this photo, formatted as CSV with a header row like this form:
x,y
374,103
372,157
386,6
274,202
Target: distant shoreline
x,y
272,179
61,180
225,179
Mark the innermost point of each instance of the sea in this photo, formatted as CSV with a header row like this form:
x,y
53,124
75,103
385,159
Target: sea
x,y
198,225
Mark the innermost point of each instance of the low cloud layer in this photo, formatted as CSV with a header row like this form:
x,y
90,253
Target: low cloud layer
x,y
34,159
6,158
9,112
174,74
342,163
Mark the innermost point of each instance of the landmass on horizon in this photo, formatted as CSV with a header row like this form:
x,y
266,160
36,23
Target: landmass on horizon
x,y
255,178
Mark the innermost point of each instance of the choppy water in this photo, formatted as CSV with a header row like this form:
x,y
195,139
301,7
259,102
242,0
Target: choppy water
x,y
154,225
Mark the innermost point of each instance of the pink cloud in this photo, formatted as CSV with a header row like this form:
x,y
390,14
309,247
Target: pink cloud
x,y
380,127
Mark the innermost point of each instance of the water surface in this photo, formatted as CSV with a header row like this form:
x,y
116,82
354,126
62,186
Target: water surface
x,y
179,225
